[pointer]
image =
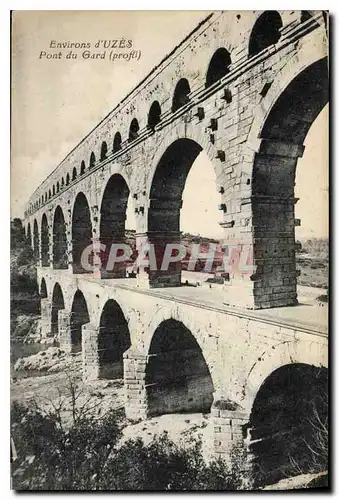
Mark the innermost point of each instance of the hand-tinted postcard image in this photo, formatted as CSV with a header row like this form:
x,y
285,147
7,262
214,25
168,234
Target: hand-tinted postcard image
x,y
169,250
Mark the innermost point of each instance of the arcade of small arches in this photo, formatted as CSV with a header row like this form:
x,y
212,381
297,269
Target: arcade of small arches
x,y
265,33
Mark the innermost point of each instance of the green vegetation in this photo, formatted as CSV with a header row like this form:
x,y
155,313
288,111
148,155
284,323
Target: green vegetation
x,y
87,455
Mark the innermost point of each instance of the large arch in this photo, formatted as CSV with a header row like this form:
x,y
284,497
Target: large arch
x,y
113,340
165,204
81,233
60,257
288,423
79,317
112,222
36,240
265,32
218,67
57,304
282,136
29,234
178,379
44,242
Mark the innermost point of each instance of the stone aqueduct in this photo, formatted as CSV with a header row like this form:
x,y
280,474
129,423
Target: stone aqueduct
x,y
245,88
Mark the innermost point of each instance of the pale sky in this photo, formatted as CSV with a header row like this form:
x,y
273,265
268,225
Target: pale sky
x,y
55,103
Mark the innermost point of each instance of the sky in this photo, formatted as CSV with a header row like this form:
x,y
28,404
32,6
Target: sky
x,y
55,103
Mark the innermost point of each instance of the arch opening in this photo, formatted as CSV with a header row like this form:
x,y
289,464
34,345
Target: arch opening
x,y
74,174
57,304
218,67
103,151
58,186
117,142
44,242
113,341
113,223
60,256
82,167
289,419
81,234
67,179
43,289
265,32
35,240
165,206
29,235
181,93
79,317
154,115
133,130
178,379
273,180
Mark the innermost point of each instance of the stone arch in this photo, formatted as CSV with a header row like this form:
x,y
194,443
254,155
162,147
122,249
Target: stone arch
x,y
133,130
74,174
218,66
103,151
177,377
273,177
62,182
288,412
117,142
49,194
91,160
113,340
67,179
82,233
265,32
43,289
82,167
112,221
60,256
58,186
29,234
154,115
36,240
44,242
79,317
165,200
53,190
57,304
180,95
305,16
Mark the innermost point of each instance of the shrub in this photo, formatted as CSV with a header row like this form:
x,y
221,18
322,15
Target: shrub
x,y
88,456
